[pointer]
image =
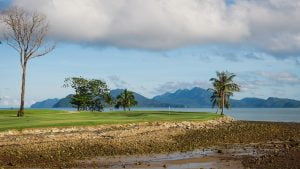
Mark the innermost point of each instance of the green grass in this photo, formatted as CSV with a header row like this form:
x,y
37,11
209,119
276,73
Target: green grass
x,y
59,118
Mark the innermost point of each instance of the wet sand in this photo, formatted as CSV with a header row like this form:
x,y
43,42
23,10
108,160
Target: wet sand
x,y
222,144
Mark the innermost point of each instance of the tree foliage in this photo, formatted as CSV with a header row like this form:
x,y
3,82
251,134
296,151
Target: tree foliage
x,y
126,100
223,89
110,101
90,94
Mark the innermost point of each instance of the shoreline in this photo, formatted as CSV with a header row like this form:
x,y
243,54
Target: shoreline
x,y
65,148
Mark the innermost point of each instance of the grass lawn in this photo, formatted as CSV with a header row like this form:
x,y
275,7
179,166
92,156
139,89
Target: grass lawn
x,y
59,118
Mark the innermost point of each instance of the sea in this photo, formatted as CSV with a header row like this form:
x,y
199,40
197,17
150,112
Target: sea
x,y
249,114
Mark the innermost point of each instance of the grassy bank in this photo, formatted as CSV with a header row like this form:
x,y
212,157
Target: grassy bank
x,y
58,118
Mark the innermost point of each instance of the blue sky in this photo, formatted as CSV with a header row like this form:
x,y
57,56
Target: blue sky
x,y
154,61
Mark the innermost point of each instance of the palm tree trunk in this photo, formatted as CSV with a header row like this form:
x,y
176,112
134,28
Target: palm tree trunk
x,y
21,110
223,103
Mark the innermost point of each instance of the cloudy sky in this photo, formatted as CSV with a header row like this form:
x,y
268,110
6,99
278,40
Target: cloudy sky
x,y
157,46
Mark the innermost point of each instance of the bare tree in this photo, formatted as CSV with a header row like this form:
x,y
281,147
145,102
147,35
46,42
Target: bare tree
x,y
26,33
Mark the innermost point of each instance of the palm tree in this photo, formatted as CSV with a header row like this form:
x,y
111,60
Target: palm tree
x,y
109,100
215,99
126,100
223,88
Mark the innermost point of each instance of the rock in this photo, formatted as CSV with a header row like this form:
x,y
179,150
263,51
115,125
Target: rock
x,y
291,140
286,146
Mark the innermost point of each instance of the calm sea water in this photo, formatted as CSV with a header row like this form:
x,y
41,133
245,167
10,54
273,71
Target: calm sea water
x,y
251,114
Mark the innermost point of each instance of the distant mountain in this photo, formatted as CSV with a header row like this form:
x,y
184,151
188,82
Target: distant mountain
x,y
64,102
198,97
142,101
193,98
278,102
248,103
45,104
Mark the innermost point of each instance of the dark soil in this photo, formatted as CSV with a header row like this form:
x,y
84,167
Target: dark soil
x,y
287,157
56,150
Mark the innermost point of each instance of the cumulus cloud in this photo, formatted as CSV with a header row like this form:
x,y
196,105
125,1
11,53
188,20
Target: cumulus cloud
x,y
151,24
272,25
118,82
281,77
7,101
175,85
253,81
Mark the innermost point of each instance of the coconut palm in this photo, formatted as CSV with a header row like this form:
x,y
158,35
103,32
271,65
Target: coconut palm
x,y
126,100
109,100
215,99
223,88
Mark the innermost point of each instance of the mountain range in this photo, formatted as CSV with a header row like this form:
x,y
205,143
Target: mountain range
x,y
189,98
49,103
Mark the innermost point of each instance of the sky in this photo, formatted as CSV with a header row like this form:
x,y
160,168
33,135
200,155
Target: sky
x,y
158,46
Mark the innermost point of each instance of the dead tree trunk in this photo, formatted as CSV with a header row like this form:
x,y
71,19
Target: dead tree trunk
x,y
26,33
21,110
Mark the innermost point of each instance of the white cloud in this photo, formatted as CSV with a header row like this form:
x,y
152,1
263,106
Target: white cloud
x,y
2,29
117,82
7,101
273,25
281,77
151,24
255,81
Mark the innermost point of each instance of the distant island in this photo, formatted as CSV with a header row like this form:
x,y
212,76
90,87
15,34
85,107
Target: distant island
x,y
182,98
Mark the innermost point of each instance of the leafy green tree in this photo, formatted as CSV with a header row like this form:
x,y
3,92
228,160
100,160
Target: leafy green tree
x,y
96,104
126,100
223,88
89,94
97,91
81,101
81,97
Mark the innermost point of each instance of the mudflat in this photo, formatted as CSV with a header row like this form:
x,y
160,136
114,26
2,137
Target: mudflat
x,y
220,143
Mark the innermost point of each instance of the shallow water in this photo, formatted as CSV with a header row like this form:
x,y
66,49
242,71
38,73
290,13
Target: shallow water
x,y
205,158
